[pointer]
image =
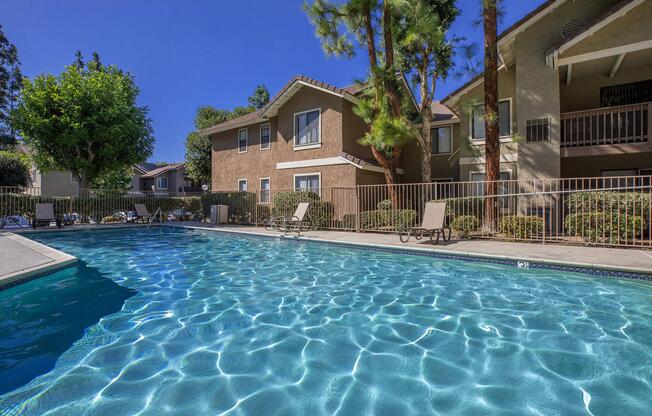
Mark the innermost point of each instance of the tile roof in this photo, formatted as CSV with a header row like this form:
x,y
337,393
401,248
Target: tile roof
x,y
502,35
441,112
163,169
259,114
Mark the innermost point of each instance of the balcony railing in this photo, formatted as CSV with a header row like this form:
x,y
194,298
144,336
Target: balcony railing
x,y
605,126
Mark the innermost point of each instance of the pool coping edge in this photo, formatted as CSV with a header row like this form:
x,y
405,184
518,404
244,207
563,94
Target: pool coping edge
x,y
532,263
57,260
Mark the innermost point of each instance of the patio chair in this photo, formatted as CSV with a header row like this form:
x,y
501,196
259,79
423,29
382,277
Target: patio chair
x,y
295,223
44,215
432,224
142,214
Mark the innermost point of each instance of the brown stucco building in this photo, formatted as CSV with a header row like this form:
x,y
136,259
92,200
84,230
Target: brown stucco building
x,y
305,138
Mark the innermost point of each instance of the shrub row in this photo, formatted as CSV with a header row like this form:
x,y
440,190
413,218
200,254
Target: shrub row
x,y
382,219
465,225
319,215
630,203
522,227
96,206
605,227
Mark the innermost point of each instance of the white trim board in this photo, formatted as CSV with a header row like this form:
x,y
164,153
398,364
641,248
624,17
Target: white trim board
x,y
605,53
329,161
504,158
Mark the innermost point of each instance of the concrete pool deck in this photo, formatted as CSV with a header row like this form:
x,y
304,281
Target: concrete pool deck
x,y
616,259
22,258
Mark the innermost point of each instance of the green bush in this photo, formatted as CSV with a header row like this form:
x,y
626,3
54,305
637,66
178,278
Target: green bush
x,y
241,205
465,225
93,206
13,171
385,204
523,227
319,215
394,219
605,227
630,203
463,206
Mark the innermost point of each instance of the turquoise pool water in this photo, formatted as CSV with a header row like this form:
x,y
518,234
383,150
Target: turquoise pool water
x,y
199,323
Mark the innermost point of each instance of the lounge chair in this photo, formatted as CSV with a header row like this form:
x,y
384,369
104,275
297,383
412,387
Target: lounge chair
x,y
142,213
44,215
294,223
432,224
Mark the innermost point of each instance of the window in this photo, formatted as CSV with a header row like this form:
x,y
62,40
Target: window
x,y
243,140
162,182
264,190
537,130
265,137
242,185
441,140
306,128
309,182
504,120
479,190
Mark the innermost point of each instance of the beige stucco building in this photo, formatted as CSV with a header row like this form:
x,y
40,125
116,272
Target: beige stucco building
x,y
575,94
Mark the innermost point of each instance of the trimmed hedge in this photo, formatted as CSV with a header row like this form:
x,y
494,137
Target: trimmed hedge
x,y
630,203
463,206
241,205
319,215
96,207
398,219
605,227
465,225
523,227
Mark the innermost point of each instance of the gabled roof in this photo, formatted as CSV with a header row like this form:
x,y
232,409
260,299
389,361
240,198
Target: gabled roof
x,y
441,113
163,169
508,35
597,22
295,84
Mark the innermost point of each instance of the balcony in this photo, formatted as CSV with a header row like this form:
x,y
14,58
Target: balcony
x,y
609,130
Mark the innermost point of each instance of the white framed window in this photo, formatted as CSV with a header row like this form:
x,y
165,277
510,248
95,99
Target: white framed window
x,y
264,190
243,140
242,185
307,128
504,120
479,188
308,182
441,140
162,182
265,136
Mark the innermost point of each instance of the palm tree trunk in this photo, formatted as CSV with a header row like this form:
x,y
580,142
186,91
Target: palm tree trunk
x,y
492,134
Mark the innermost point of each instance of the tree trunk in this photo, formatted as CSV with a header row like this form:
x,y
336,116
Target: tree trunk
x,y
492,139
426,116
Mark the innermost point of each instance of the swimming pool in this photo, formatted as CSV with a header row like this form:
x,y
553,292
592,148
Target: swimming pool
x,y
199,322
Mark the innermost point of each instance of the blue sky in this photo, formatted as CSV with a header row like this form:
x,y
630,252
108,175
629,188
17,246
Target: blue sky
x,y
187,53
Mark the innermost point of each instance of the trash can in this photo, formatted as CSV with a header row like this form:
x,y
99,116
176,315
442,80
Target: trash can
x,y
219,214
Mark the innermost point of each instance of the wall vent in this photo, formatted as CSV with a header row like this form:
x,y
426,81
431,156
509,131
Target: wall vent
x,y
573,27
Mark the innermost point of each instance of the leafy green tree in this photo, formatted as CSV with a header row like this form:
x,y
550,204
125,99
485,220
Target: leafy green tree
x,y
198,147
260,97
10,84
13,170
343,26
84,120
426,53
115,180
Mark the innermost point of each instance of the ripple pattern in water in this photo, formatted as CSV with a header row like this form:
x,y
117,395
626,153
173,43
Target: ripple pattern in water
x,y
237,325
